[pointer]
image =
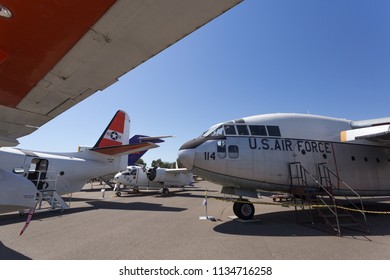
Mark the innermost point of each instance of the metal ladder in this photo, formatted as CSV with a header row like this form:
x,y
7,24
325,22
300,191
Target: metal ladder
x,y
319,194
48,199
304,194
345,214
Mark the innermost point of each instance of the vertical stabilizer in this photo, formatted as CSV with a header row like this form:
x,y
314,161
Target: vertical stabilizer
x,y
116,133
133,158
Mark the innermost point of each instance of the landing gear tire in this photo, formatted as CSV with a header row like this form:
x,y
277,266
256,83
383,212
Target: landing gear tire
x,y
165,192
118,194
244,210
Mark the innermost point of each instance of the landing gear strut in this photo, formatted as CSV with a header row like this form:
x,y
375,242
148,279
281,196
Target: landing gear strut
x,y
244,209
165,191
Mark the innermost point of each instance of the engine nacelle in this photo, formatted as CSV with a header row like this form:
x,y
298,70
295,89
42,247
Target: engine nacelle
x,y
156,174
16,192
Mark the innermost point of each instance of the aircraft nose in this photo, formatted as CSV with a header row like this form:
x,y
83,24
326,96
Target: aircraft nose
x,y
186,158
117,176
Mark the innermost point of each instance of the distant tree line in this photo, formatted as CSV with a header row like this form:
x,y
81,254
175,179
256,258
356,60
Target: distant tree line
x,y
160,163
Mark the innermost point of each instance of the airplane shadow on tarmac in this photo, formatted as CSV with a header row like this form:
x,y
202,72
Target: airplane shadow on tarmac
x,y
287,223
9,254
94,205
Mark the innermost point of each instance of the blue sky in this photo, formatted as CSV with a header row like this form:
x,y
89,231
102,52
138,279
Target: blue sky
x,y
329,57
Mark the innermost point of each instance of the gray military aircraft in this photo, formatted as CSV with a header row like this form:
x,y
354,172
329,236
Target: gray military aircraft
x,y
292,153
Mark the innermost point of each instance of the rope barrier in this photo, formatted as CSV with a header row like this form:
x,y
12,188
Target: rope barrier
x,y
285,204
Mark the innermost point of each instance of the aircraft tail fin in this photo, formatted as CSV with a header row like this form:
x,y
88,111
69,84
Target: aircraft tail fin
x,y
137,139
116,133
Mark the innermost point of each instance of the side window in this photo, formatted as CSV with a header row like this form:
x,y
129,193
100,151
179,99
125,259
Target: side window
x,y
230,129
221,149
242,130
133,172
273,130
258,130
233,151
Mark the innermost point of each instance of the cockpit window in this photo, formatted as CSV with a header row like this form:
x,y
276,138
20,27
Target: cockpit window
x,y
273,130
214,131
133,172
230,129
218,132
242,130
258,130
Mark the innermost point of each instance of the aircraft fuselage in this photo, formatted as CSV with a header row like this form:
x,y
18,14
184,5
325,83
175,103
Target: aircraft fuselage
x,y
157,178
237,157
65,173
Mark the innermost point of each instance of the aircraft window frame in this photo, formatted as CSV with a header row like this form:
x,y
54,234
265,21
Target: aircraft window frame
x,y
258,130
273,130
230,129
213,131
233,151
125,173
242,129
133,172
218,131
221,149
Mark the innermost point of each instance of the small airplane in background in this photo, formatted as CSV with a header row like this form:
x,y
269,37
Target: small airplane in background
x,y
27,174
133,157
292,153
137,177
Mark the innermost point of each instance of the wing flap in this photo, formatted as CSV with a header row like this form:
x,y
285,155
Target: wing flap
x,y
17,123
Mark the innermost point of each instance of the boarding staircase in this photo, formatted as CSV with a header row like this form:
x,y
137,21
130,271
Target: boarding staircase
x,y
48,199
317,196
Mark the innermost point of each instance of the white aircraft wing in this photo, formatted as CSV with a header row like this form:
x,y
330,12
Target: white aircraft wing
x,y
377,130
177,171
54,54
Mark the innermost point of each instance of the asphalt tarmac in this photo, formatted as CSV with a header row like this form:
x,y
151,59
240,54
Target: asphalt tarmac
x,y
150,226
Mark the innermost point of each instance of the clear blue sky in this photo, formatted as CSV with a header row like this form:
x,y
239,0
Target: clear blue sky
x,y
329,57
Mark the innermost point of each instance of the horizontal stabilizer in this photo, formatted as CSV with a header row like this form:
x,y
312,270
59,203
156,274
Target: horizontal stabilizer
x,y
136,139
375,133
153,139
124,149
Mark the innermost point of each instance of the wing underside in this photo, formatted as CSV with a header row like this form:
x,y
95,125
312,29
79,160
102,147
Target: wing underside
x,y
54,54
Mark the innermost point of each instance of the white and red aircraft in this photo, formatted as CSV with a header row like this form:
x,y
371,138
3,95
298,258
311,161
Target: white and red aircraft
x,y
137,177
50,175
54,54
289,153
